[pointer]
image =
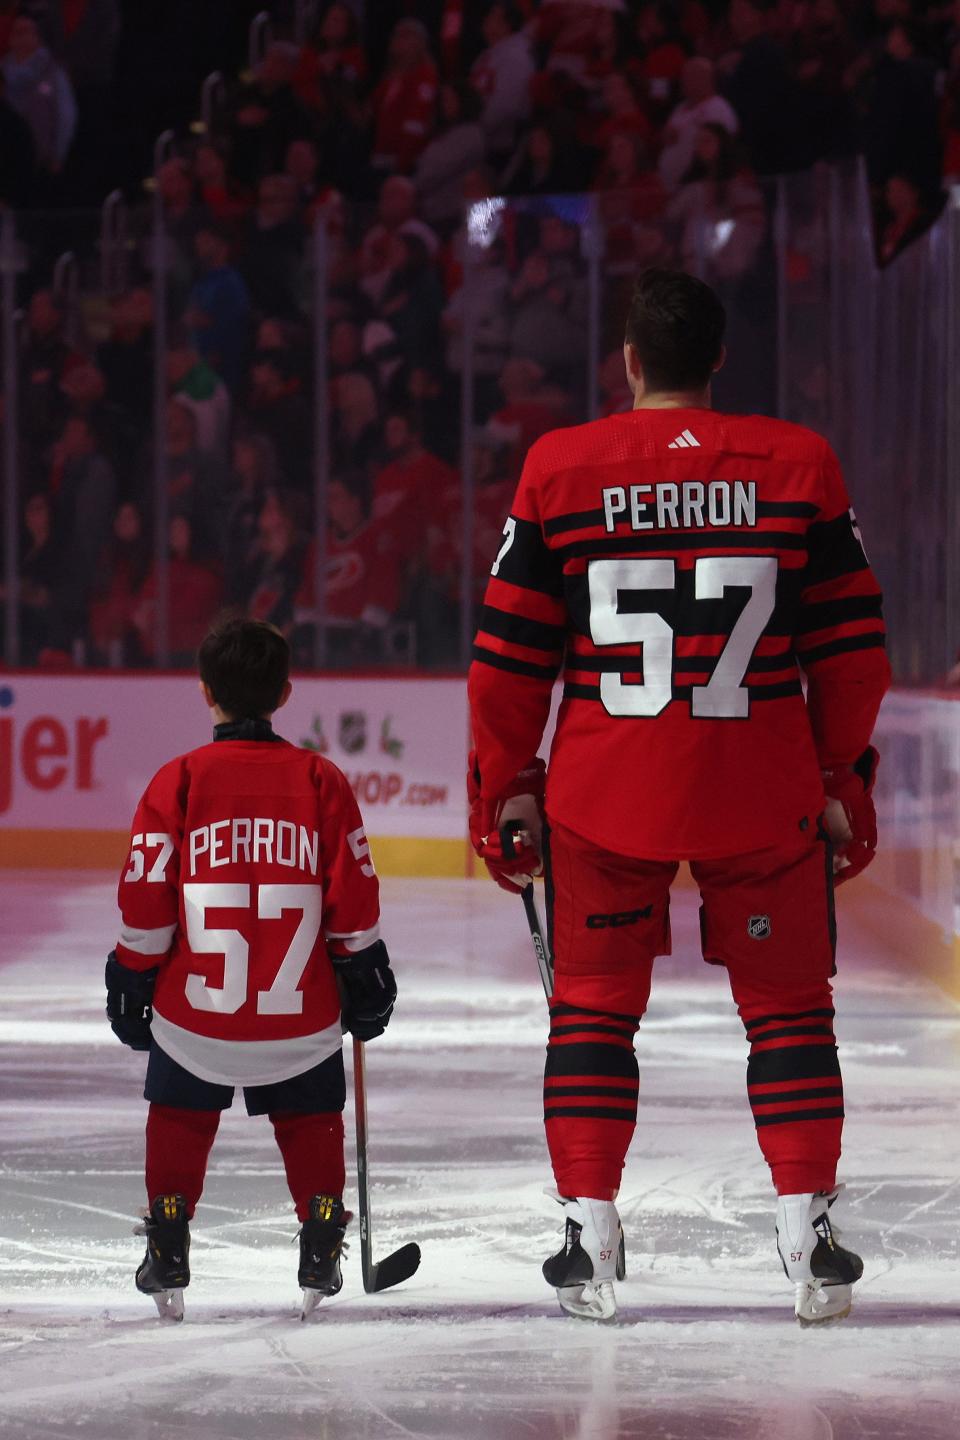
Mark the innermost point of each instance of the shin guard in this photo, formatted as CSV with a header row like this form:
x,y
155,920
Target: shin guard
x,y
590,1089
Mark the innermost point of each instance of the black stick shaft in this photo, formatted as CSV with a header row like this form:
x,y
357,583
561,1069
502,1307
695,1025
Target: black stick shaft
x,y
363,1182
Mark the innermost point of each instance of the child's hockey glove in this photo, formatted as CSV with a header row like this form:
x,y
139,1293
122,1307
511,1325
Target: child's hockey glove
x,y
368,990
850,819
129,1002
521,802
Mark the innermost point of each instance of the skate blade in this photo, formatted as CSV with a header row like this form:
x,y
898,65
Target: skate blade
x,y
820,1305
169,1304
589,1302
311,1300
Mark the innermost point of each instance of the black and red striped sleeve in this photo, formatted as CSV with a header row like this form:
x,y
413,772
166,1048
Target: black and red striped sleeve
x,y
841,637
519,645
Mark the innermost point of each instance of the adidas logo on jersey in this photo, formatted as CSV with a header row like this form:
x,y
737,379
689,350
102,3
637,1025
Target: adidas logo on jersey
x,y
684,441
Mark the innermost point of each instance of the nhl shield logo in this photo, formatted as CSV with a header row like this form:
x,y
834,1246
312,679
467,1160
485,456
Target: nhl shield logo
x,y
353,731
758,927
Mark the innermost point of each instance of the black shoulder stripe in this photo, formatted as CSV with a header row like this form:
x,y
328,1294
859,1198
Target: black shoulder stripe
x,y
872,640
529,563
576,520
834,549
826,613
515,667
519,630
679,540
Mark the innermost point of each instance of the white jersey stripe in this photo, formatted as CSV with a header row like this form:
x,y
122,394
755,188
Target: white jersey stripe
x,y
147,942
354,940
245,1062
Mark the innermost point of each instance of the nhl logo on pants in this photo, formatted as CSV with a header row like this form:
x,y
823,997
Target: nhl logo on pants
x,y
758,927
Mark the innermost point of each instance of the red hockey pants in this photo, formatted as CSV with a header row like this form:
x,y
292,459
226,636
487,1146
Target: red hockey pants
x,y
768,918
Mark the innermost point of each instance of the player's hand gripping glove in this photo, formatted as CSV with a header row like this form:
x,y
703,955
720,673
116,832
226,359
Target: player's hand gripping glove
x,y
521,806
368,990
849,818
129,1002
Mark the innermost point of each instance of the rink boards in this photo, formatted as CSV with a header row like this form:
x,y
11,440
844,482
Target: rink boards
x,y
77,750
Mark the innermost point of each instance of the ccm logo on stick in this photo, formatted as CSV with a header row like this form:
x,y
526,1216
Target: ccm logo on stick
x,y
623,917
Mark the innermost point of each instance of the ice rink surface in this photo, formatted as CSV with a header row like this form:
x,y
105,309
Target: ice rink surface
x,y
474,1347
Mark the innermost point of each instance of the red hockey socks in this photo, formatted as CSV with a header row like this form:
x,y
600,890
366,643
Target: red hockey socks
x,y
796,1094
590,1089
312,1150
178,1148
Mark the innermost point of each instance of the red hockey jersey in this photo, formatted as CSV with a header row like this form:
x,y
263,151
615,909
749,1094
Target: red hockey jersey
x,y
248,867
684,566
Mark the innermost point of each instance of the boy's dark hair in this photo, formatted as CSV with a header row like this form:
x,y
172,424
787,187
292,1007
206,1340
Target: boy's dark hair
x,y
245,665
675,324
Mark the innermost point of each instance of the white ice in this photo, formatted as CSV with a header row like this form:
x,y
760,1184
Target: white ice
x,y
474,1347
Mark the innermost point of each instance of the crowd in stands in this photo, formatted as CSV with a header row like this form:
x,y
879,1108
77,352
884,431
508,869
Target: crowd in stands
x,y
384,121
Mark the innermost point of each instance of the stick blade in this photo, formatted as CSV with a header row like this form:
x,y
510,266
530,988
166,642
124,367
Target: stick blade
x,y
393,1269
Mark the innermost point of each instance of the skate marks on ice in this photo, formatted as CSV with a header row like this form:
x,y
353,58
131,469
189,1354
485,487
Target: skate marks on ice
x,y
474,1345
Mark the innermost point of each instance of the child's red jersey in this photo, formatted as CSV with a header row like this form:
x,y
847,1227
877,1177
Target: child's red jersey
x,y
684,567
248,867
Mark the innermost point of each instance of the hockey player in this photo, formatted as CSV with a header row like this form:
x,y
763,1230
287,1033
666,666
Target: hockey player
x,y
249,898
684,567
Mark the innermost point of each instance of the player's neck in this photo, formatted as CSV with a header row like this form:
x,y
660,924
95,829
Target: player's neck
x,y
673,400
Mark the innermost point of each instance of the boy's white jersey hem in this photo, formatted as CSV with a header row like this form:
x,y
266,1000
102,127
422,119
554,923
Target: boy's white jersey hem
x,y
245,1062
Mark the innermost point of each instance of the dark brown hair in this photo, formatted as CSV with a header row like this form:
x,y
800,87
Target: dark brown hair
x,y
245,665
675,324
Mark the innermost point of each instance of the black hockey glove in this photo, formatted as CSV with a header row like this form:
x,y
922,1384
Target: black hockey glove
x,y
367,990
129,1002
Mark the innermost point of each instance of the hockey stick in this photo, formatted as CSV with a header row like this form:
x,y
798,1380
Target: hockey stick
x,y
392,1269
508,834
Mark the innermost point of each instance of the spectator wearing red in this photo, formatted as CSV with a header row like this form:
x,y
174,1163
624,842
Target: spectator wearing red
x,y
501,76
701,105
194,595
493,488
331,70
223,199
531,408
663,54
302,164
122,571
404,103
364,562
621,112
407,486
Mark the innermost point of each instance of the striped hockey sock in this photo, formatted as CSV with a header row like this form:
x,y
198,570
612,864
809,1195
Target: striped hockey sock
x,y
590,1090
796,1094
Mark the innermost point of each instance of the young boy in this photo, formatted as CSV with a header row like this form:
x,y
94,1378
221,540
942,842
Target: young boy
x,y
249,905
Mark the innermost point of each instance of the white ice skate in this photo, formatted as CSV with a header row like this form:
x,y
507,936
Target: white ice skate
x,y
822,1271
583,1271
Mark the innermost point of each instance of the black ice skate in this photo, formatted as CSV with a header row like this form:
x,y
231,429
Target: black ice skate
x,y
165,1271
822,1271
321,1245
582,1272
